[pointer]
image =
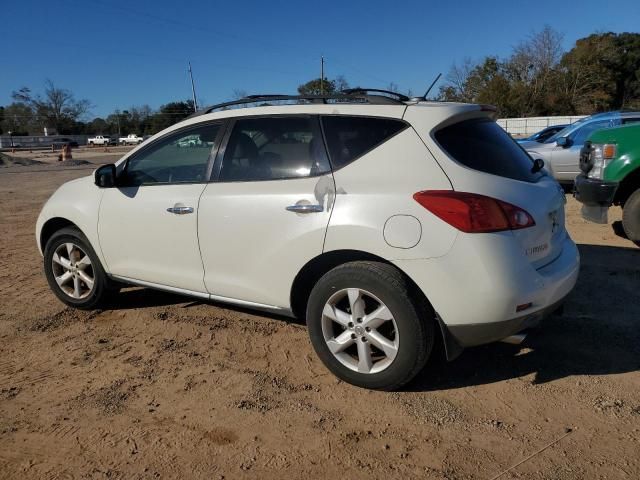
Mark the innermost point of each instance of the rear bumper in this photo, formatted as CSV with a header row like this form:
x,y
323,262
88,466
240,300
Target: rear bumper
x,y
476,294
594,192
480,334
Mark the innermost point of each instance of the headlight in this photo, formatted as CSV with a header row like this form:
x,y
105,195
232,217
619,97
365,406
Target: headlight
x,y
602,155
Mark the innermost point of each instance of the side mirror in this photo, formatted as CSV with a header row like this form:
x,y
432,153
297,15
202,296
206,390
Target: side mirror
x,y
105,176
538,164
563,142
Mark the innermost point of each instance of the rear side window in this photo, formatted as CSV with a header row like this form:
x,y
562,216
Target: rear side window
x,y
483,145
351,137
274,148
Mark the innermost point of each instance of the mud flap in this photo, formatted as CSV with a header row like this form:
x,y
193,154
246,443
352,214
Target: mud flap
x,y
452,348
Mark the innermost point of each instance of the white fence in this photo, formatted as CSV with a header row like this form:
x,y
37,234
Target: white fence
x,y
531,125
38,141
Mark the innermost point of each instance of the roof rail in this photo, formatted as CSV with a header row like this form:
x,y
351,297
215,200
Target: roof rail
x,y
355,95
399,96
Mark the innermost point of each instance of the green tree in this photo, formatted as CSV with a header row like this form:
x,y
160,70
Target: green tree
x,y
169,114
98,126
318,87
601,72
19,119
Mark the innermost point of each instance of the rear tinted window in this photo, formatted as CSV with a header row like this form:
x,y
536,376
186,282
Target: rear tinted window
x,y
274,148
351,137
483,145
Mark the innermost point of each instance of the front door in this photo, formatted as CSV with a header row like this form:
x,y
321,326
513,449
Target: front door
x,y
566,161
148,224
266,215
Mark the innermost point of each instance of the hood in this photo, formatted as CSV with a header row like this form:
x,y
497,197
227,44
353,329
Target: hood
x,y
530,145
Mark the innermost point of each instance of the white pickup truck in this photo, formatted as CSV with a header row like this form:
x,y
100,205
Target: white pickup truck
x,y
99,140
131,139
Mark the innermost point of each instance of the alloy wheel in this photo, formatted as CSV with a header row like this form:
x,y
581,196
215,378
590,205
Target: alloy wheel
x,y
73,271
360,331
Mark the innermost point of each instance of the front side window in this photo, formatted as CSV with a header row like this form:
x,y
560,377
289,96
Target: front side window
x,y
274,148
351,137
181,157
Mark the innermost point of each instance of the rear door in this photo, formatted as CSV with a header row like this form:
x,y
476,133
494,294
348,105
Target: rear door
x,y
267,213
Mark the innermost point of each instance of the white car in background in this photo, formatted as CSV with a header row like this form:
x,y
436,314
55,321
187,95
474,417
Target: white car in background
x,y
99,140
131,139
387,223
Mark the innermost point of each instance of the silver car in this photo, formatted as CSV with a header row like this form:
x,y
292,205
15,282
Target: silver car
x,y
561,152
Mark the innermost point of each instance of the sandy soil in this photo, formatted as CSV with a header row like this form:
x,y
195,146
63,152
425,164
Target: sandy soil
x,y
161,386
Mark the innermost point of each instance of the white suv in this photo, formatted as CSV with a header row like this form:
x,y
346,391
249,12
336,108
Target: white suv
x,y
388,223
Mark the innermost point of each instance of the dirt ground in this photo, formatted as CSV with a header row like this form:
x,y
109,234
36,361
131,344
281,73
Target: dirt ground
x,y
161,386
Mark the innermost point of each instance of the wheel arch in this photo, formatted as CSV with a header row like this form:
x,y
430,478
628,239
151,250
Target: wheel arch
x,y
51,226
629,184
314,269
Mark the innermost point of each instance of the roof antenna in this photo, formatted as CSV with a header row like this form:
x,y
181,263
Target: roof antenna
x,y
424,97
193,90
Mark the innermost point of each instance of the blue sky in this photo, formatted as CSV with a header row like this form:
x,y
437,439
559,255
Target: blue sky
x,y
117,53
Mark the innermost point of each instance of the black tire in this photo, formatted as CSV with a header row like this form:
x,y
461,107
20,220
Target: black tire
x,y
414,320
631,217
103,288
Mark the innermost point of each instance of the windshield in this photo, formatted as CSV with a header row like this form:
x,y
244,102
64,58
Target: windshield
x,y
565,132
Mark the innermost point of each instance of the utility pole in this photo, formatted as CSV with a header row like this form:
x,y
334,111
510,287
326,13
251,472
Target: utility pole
x,y
321,74
193,90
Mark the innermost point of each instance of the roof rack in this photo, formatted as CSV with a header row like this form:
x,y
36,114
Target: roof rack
x,y
364,91
354,95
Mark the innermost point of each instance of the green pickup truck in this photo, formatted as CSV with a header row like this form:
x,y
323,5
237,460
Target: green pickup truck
x,y
610,164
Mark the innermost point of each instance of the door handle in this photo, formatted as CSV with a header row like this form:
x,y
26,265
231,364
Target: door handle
x,y
305,208
180,210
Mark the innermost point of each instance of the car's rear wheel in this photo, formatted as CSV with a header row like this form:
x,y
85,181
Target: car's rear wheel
x,y
631,217
368,326
74,272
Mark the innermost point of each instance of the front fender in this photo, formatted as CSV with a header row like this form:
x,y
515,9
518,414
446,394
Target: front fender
x,y
78,202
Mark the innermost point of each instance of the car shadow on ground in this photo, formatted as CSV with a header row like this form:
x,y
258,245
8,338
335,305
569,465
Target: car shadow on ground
x,y
139,297
598,333
618,229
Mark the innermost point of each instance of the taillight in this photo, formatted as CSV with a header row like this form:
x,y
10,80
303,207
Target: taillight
x,y
473,213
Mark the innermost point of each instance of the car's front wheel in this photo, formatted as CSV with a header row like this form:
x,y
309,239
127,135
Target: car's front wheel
x,y
368,326
74,272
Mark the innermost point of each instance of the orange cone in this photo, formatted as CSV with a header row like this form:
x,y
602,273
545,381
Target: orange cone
x,y
66,152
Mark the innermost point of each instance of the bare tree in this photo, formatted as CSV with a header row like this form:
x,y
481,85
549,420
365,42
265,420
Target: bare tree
x,y
58,106
341,83
238,93
534,61
392,87
458,78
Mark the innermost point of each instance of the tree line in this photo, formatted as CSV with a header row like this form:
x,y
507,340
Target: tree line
x,y
58,109
601,72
